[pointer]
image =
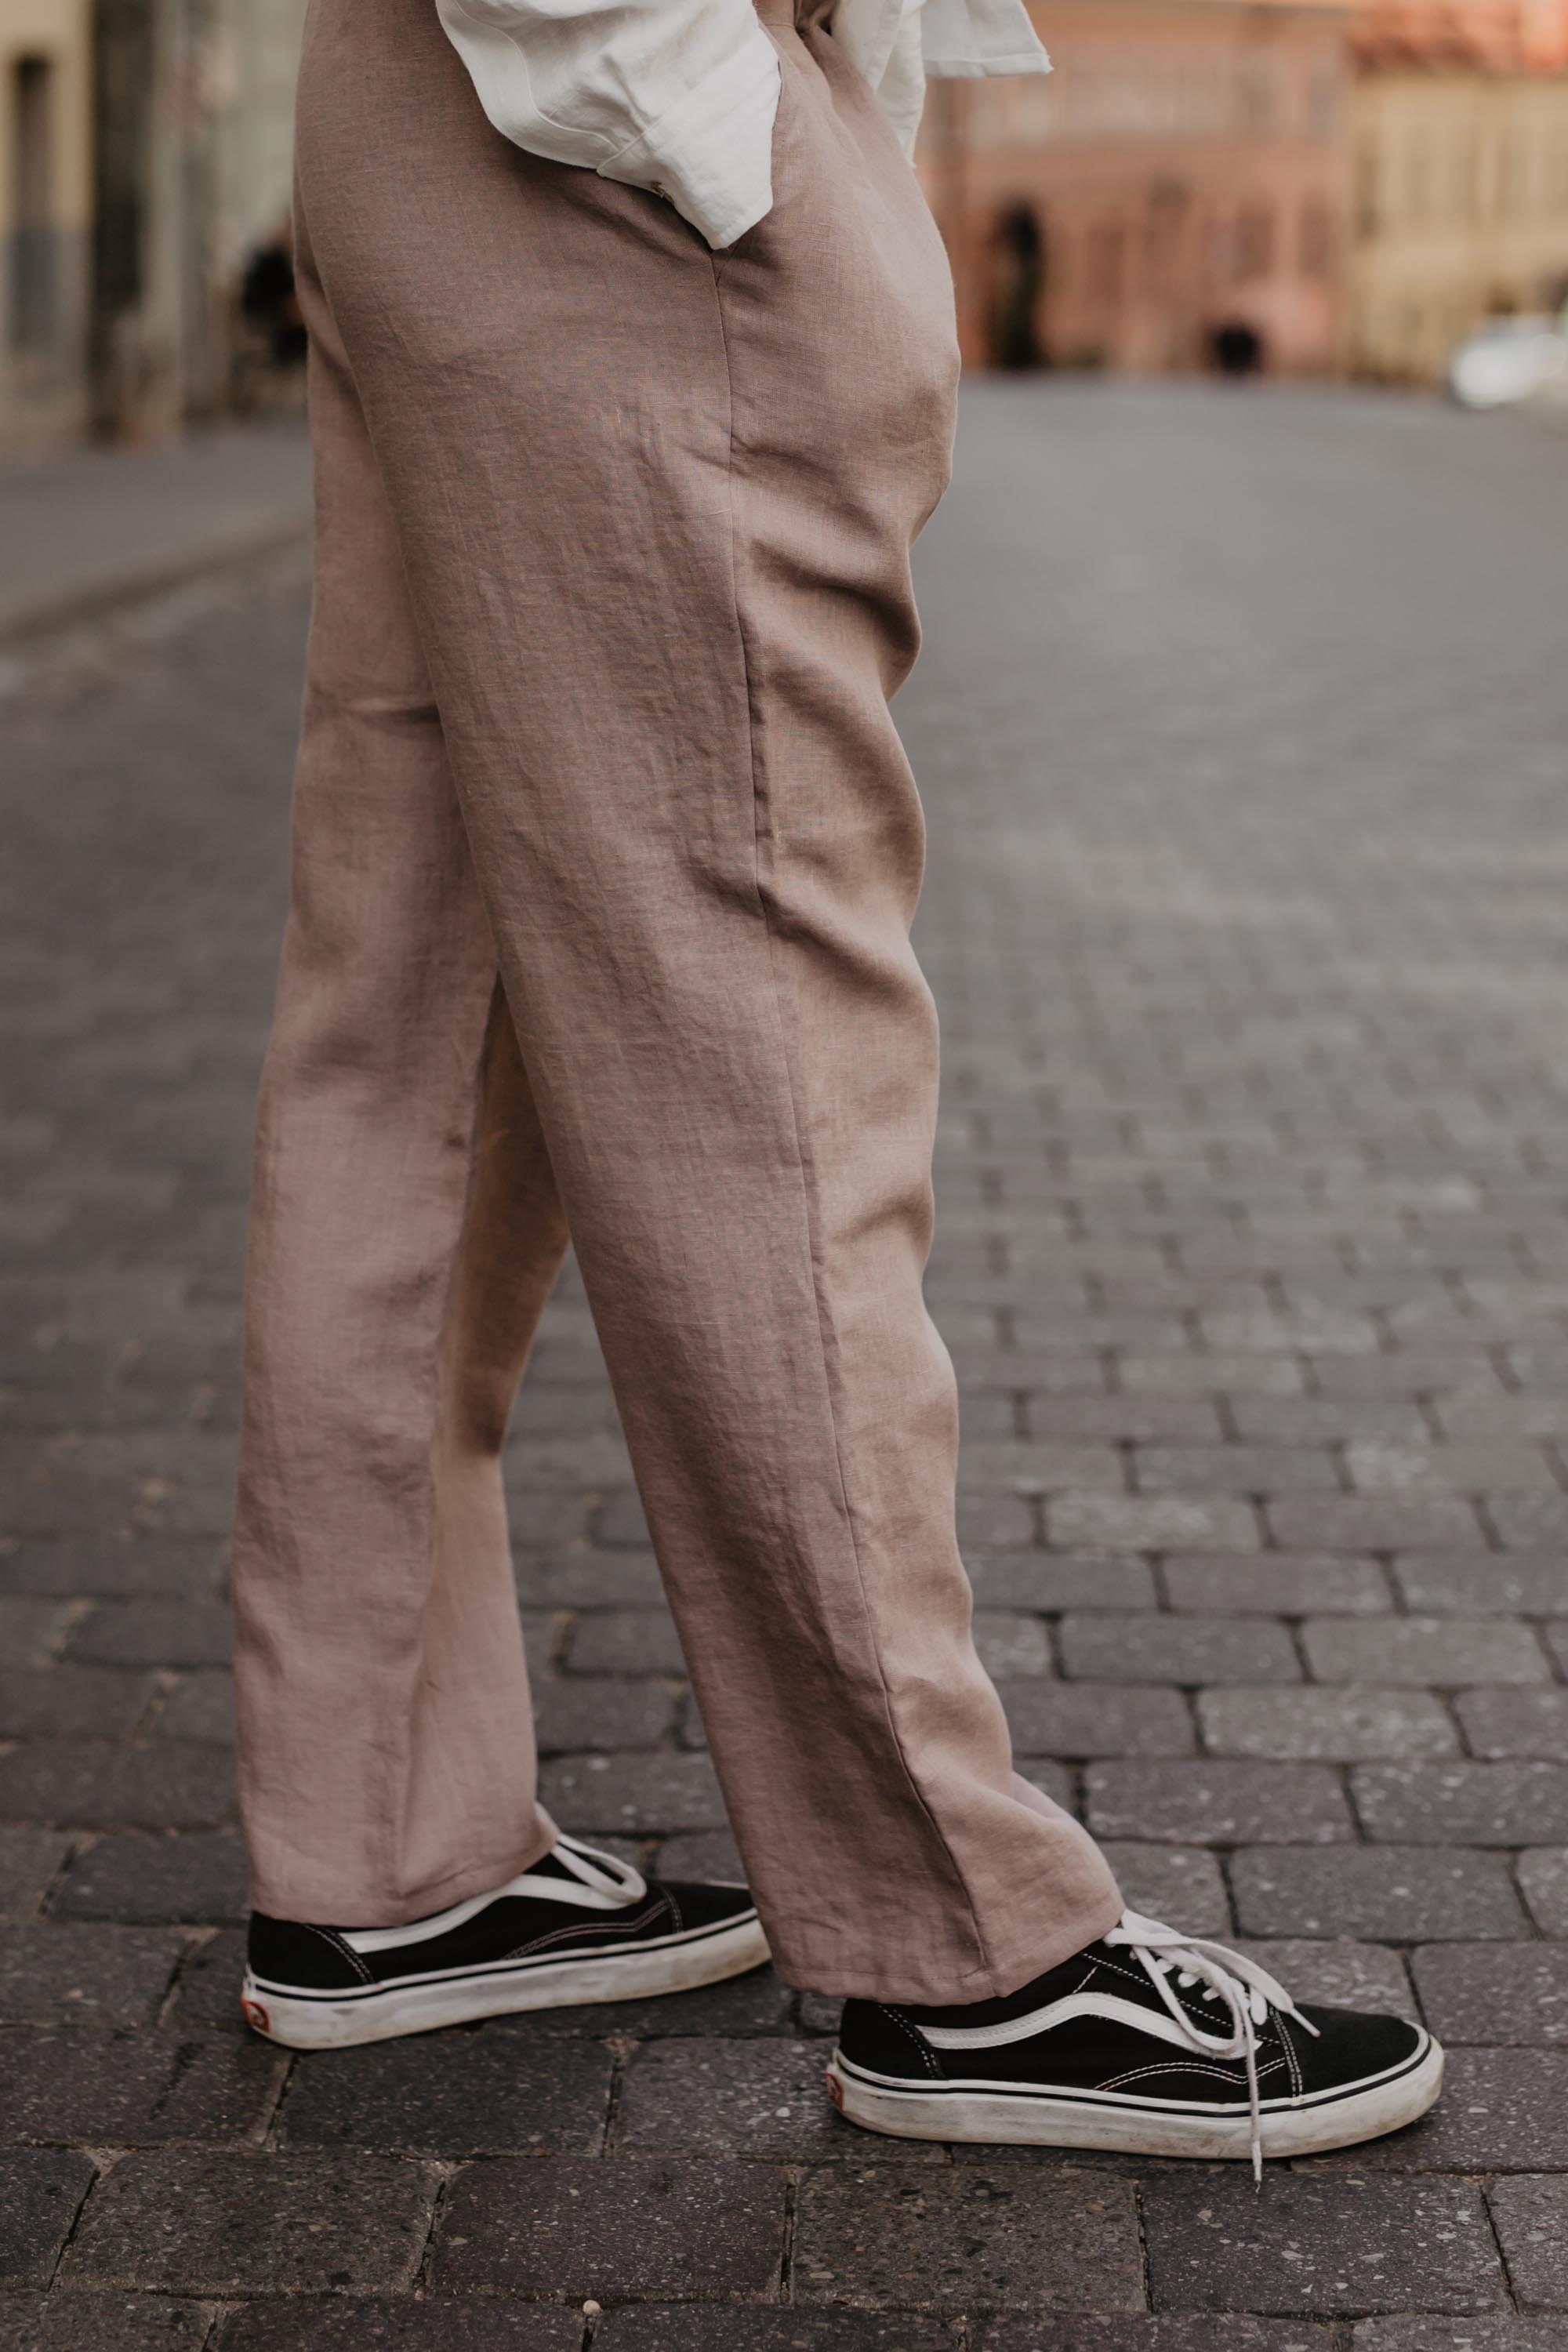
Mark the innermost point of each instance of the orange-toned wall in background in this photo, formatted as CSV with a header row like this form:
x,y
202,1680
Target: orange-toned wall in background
x,y
1176,190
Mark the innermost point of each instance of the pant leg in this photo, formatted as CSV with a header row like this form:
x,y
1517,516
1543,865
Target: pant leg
x,y
655,511
406,1232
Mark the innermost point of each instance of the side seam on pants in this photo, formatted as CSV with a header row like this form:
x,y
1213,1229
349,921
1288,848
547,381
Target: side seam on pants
x,y
786,1017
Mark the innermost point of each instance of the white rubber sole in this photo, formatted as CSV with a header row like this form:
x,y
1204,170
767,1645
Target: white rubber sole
x,y
1004,2118
325,2022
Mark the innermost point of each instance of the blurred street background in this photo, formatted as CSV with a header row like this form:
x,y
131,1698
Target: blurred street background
x,y
1288,187
1243,733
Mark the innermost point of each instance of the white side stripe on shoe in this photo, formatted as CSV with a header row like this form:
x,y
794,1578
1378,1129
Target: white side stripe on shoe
x,y
1157,2025
598,1883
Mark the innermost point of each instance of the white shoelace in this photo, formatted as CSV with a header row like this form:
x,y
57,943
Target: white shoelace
x,y
1247,1991
617,1881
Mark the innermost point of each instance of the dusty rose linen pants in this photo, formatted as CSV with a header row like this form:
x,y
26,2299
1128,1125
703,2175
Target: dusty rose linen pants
x,y
606,851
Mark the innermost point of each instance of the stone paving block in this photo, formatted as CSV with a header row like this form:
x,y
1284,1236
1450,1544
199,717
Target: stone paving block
x,y
1278,1584
75,1975
1407,1372
583,1578
1208,1375
1209,1802
154,1634
200,1706
397,2323
1153,1523
1501,2111
120,2088
727,2098
1543,1876
1097,1719
1473,1992
1321,1330
1181,1884
1507,1584
1529,1522
1011,1646
1049,1581
113,2323
1403,1894
1462,1804
703,1853
1442,1649
1039,1466
1142,1417
1494,2335
471,2092
756,2003
1336,1974
1323,1421
1338,1725
219,2222
593,1458
208,1991
30,1631
1153,2332
100,1784
70,1702
1512,1722
683,2327
1557,1642
574,1713
632,1794
110,1567
973,2237
1531,2221
993,1522
567,2230
626,1642
1184,1650
1363,1523
1233,1469
41,2190
1377,1465
1053,1779
29,1857
1317,2243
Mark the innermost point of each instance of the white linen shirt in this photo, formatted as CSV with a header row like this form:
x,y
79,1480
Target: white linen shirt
x,y
680,96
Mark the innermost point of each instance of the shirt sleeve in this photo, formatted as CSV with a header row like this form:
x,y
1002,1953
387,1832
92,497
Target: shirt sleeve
x,y
675,96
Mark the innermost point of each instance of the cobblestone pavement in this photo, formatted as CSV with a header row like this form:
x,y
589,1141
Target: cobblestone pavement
x,y
1243,733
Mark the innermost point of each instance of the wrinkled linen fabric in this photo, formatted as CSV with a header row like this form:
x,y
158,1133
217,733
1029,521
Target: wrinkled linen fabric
x,y
605,850
680,96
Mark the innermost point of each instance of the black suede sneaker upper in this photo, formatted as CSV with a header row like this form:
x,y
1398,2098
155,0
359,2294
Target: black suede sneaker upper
x,y
600,1905
1142,2015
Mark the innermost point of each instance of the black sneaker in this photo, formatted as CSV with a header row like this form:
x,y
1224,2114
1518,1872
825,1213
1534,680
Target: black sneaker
x,y
1150,2041
578,1926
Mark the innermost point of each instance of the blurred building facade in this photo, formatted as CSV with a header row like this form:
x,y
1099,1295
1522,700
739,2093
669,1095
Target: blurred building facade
x,y
146,161
46,215
1174,195
1460,131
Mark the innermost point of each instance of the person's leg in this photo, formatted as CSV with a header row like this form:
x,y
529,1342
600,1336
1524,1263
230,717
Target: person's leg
x,y
406,1234
654,511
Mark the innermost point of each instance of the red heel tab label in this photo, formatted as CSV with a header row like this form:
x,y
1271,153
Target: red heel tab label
x,y
255,2016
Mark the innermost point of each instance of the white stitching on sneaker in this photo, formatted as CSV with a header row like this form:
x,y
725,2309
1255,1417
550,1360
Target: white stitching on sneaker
x,y
344,1951
1232,2075
928,2059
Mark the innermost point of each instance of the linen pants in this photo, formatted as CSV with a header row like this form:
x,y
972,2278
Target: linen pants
x,y
606,851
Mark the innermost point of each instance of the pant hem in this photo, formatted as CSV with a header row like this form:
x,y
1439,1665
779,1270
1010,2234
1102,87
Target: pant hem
x,y
935,1989
404,1911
